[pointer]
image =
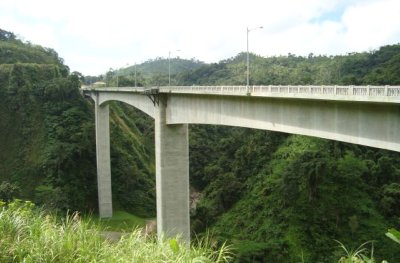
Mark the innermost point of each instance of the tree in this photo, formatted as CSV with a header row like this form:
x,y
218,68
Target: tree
x,y
6,35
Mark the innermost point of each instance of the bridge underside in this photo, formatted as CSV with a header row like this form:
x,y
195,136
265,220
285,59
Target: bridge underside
x,y
370,124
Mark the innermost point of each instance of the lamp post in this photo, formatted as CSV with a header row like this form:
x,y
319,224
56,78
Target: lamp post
x,y
248,59
117,77
135,75
169,66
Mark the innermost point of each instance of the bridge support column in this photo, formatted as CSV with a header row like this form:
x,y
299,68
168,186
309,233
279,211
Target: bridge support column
x,y
103,159
172,175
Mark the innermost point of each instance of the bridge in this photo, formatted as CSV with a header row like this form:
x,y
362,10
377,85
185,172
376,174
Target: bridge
x,y
365,115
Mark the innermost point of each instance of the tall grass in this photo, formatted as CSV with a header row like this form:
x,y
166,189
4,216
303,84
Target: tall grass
x,y
28,234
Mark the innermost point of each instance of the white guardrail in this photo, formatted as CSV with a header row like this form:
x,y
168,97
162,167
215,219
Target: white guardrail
x,y
374,91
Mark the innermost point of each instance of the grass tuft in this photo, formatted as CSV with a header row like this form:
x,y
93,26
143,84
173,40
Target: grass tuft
x,y
28,234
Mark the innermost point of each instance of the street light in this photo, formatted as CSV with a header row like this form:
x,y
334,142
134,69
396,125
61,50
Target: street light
x,y
135,75
117,77
248,60
169,66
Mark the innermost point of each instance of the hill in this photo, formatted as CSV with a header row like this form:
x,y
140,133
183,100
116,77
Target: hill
x,y
47,136
153,72
160,66
379,67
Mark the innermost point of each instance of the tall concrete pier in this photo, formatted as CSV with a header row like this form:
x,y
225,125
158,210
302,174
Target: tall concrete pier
x,y
103,158
172,175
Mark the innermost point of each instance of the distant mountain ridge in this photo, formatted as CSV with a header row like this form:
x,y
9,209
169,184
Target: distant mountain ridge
x,y
160,66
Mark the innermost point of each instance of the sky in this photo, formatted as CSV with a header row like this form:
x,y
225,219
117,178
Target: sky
x,y
93,36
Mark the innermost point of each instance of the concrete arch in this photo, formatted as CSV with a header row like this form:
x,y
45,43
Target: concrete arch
x,y
139,101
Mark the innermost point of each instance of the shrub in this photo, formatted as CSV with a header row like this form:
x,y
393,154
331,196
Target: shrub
x,y
8,191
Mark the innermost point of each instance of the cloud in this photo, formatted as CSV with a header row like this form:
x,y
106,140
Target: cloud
x,y
93,36
372,24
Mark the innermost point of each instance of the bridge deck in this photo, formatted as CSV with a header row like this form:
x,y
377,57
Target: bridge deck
x,y
382,94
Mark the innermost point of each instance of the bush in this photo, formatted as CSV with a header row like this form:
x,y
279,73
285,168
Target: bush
x,y
8,191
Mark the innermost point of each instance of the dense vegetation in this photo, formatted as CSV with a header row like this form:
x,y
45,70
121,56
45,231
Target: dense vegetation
x,y
381,67
158,66
276,197
298,195
31,235
153,72
47,143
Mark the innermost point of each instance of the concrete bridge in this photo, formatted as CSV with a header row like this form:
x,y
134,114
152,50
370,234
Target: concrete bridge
x,y
365,115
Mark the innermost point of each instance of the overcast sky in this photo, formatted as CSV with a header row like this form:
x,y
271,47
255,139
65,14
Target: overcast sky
x,y
95,35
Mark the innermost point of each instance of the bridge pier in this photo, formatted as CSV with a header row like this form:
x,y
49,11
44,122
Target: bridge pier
x,y
172,175
103,159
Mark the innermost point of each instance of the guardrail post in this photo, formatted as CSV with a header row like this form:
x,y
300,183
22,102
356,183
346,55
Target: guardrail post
x,y
386,90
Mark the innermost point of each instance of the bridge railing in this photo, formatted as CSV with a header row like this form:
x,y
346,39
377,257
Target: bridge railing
x,y
363,91
358,93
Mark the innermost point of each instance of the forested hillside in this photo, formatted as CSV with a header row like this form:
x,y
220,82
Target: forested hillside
x,y
276,197
153,72
380,67
157,66
47,143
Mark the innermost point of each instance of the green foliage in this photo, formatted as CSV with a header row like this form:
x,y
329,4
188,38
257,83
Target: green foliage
x,y
153,72
120,221
30,235
394,235
8,191
380,67
51,197
390,201
14,51
7,36
161,65
307,192
132,155
47,136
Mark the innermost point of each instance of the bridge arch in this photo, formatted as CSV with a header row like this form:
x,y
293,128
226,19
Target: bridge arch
x,y
136,100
